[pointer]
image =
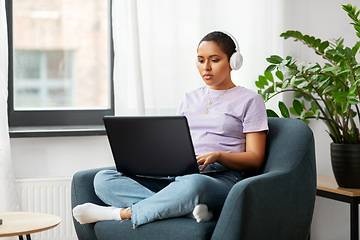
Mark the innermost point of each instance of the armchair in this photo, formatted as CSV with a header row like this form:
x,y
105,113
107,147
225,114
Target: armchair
x,y
275,203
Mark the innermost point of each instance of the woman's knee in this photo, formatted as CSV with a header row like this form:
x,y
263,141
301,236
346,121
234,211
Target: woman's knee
x,y
101,180
196,183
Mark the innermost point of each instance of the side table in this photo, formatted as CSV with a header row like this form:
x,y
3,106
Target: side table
x,y
25,223
328,188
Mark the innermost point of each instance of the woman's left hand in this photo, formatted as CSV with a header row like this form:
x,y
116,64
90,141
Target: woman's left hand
x,y
206,159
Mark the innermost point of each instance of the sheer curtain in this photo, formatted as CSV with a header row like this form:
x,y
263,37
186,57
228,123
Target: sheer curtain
x,y
8,198
155,47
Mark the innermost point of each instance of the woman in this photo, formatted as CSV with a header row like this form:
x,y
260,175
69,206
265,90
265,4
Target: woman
x,y
221,117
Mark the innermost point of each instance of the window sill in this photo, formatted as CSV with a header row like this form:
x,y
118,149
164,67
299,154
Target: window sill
x,y
57,131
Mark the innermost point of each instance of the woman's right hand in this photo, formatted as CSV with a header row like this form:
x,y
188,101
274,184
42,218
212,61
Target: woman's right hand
x,y
206,159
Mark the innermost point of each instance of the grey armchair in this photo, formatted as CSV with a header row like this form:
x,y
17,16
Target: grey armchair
x,y
275,203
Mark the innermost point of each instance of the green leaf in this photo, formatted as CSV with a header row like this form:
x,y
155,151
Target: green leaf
x,y
309,114
316,43
259,84
304,84
345,71
306,121
348,53
292,81
331,51
298,95
298,35
274,59
263,80
303,114
323,46
265,97
329,69
269,76
283,110
356,47
309,66
279,75
307,97
353,88
314,106
293,60
293,111
292,72
270,68
310,40
285,84
282,64
290,33
298,106
339,96
284,35
329,89
324,83
271,113
269,90
357,27
352,99
306,38
345,107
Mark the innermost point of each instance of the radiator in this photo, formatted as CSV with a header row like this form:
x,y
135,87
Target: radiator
x,y
51,196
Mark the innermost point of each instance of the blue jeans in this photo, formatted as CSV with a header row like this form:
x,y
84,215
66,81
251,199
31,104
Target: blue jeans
x,y
160,198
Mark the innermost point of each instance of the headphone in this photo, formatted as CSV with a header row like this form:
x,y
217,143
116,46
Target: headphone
x,y
236,59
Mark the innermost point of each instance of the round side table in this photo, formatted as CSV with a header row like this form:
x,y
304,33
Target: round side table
x,y
25,223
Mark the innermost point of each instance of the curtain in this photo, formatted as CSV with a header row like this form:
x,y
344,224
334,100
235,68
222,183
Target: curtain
x,y
155,46
8,197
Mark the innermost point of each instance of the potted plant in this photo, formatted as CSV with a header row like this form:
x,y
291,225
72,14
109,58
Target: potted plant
x,y
330,93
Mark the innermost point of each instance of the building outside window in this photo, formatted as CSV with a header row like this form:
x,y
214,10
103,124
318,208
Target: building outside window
x,y
43,79
61,57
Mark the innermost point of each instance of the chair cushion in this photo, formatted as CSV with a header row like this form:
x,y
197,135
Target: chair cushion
x,y
175,228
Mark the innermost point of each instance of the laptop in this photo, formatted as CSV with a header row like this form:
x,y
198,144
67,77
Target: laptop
x,y
151,146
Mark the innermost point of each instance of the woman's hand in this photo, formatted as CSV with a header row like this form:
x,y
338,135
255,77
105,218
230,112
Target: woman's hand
x,y
206,159
251,159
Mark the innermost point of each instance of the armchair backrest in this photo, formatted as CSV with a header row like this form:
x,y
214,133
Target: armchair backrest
x,y
287,137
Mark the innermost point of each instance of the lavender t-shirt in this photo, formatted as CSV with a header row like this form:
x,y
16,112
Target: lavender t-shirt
x,y
231,115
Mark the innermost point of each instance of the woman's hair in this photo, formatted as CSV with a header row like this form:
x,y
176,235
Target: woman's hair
x,y
224,41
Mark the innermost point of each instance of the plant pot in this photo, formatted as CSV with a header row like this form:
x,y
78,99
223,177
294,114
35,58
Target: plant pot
x,y
345,160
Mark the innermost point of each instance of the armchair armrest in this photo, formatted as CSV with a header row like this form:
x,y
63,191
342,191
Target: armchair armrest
x,y
82,191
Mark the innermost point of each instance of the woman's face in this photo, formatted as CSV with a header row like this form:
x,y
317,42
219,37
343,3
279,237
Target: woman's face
x,y
214,66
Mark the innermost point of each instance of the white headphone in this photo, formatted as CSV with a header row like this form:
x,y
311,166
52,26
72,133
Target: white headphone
x,y
236,59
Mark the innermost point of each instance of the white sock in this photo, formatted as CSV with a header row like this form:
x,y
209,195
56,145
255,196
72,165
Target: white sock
x,y
89,213
201,213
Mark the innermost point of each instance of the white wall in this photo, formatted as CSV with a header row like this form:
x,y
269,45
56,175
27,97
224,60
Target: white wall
x,y
58,156
326,20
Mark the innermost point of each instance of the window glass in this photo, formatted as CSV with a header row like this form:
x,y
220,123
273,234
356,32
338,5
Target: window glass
x,y
43,79
61,54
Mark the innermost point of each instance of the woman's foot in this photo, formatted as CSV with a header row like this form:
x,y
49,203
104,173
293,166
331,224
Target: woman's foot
x,y
90,213
201,213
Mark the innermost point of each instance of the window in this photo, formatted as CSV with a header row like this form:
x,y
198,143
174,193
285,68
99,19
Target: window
x,y
43,79
60,63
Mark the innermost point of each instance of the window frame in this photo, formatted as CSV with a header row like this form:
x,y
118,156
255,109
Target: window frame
x,y
38,123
